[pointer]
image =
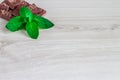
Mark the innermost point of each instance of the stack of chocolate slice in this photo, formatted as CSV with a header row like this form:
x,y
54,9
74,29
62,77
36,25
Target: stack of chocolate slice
x,y
10,8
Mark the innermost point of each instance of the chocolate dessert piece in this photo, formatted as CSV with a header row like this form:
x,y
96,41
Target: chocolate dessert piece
x,y
15,12
36,10
10,8
4,6
4,11
5,14
13,3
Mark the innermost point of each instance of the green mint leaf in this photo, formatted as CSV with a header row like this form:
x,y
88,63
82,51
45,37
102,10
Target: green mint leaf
x,y
23,26
32,30
26,14
15,24
43,23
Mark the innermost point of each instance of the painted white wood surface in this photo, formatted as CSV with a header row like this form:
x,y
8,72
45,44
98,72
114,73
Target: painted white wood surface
x,y
84,44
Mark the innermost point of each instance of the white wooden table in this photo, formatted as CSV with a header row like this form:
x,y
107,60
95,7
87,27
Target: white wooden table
x,y
84,44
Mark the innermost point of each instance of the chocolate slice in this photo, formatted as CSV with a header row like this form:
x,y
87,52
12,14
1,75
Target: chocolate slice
x,y
13,3
10,8
36,10
4,6
5,14
15,12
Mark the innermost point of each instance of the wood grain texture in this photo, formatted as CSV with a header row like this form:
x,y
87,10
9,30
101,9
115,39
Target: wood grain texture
x,y
84,44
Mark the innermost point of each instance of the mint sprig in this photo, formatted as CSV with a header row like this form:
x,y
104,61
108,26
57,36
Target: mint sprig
x,y
30,22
